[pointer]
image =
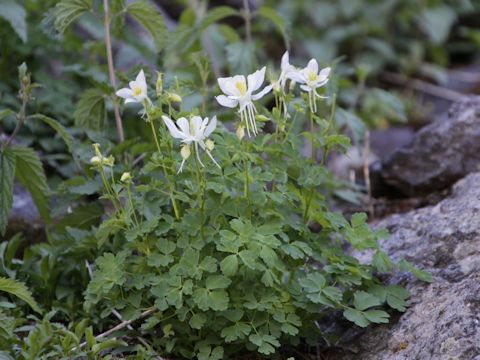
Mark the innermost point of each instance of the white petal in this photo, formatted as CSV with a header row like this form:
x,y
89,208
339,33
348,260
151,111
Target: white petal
x,y
125,93
285,61
256,79
296,76
210,127
313,65
305,88
325,73
225,101
262,93
184,126
130,100
227,85
196,127
140,80
172,128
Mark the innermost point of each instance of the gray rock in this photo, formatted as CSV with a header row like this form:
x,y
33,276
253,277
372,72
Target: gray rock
x,y
24,216
439,154
443,320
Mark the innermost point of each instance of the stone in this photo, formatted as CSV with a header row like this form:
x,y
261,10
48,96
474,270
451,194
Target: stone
x,y
443,319
439,154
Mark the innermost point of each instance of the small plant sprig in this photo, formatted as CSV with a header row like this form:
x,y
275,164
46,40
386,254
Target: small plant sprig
x,y
239,266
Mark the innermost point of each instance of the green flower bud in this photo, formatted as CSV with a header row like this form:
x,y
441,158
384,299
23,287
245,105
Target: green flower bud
x,y
173,97
126,177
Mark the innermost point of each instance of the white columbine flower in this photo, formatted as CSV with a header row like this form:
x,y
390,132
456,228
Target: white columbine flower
x,y
311,79
195,131
239,92
137,91
286,69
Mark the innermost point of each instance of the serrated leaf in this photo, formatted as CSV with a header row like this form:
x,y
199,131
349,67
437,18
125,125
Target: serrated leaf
x,y
377,316
90,110
67,11
423,275
7,175
198,320
59,128
363,300
216,14
217,282
29,171
356,317
235,332
381,261
151,19
19,289
280,23
15,15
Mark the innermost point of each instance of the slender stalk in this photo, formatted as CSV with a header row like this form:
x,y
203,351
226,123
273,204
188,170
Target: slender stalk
x,y
120,326
111,70
314,150
130,200
154,131
248,18
24,95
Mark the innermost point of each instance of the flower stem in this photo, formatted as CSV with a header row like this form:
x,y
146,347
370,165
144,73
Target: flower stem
x,y
129,193
111,70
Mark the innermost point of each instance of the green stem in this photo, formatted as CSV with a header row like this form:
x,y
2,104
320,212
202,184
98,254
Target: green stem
x,y
131,204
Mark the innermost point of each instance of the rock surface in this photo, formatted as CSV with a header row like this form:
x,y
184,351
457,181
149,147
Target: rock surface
x,y
439,154
24,216
443,320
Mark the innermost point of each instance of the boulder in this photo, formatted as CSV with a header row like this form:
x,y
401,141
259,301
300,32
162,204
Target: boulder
x,y
439,154
443,319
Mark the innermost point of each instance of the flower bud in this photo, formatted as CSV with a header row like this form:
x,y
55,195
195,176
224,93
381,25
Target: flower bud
x,y
185,152
126,177
109,161
96,160
261,118
159,84
96,146
173,97
209,144
276,86
240,132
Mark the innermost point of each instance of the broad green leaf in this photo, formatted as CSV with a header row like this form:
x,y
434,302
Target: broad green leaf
x,y
59,128
151,19
241,57
7,174
67,11
15,15
229,265
356,317
19,289
437,23
280,23
364,300
381,261
216,300
90,110
29,171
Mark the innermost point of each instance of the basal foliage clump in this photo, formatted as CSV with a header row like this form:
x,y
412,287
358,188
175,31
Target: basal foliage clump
x,y
226,240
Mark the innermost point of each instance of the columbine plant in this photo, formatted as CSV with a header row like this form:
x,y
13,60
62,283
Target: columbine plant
x,y
239,92
234,271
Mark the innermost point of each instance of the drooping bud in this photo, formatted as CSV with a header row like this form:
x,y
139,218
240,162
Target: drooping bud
x,y
159,84
209,144
240,132
276,86
174,97
185,152
126,177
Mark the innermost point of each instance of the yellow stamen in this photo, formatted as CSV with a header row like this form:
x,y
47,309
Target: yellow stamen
x,y
241,86
312,76
137,91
